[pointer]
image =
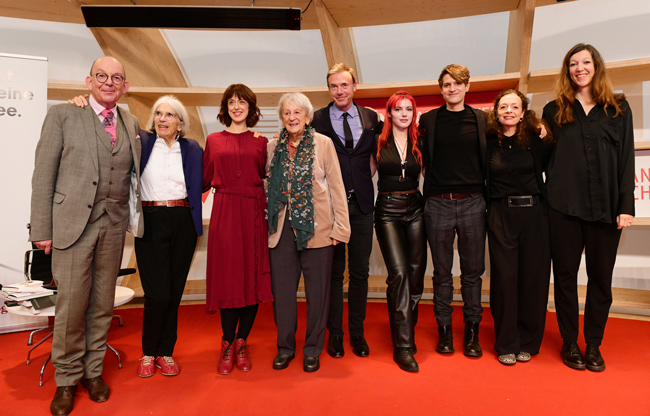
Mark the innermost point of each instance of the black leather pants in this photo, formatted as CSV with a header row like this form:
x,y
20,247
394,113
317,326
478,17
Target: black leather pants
x,y
402,238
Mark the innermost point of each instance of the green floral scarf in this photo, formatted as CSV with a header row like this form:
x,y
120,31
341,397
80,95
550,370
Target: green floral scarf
x,y
301,192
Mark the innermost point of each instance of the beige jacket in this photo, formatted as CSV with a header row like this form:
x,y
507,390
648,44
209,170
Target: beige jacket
x,y
331,219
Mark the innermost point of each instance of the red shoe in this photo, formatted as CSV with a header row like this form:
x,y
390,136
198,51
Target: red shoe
x,y
225,359
243,357
146,368
168,366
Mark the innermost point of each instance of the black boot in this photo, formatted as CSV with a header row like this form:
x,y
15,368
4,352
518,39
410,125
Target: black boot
x,y
446,340
472,349
405,360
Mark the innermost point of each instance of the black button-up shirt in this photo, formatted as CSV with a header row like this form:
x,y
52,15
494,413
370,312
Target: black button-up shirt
x,y
591,171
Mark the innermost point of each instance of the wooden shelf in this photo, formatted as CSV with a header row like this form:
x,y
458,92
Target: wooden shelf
x,y
623,298
268,97
642,145
620,72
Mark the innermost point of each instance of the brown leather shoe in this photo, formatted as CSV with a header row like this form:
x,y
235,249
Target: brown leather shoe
x,y
98,391
63,399
572,356
593,359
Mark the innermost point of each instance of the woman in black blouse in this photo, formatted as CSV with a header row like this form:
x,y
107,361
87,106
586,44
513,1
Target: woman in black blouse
x,y
590,193
399,223
517,225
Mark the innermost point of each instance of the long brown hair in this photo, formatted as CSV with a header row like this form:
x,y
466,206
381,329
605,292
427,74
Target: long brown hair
x,y
412,132
601,87
529,124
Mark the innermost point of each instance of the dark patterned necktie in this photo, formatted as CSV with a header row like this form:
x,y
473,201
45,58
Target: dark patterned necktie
x,y
347,131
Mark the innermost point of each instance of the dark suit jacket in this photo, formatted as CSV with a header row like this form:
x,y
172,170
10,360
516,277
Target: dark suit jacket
x,y
428,130
355,166
66,172
192,155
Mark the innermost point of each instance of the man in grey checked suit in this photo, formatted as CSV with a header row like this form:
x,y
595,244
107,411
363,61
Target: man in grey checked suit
x,y
80,213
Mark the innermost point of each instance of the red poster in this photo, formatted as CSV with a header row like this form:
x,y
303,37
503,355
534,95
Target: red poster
x,y
482,100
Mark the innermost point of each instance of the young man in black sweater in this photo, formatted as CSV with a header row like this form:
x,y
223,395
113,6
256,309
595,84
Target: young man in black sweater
x,y
454,148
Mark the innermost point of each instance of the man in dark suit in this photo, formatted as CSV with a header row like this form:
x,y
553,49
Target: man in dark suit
x,y
454,148
352,129
87,168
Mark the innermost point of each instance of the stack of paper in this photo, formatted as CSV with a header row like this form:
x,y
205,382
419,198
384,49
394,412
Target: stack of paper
x,y
26,290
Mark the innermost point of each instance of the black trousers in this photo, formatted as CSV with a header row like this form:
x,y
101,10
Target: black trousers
x,y
287,263
569,237
164,255
520,262
399,225
445,219
359,249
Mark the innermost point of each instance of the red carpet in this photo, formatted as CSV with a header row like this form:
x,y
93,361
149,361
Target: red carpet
x,y
452,385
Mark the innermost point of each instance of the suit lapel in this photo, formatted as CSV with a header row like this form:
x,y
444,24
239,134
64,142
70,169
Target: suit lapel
x,y
119,133
330,129
134,140
102,136
90,121
365,122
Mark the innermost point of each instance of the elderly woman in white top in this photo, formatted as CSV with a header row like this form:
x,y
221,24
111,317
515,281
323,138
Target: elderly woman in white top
x,y
308,216
171,174
172,178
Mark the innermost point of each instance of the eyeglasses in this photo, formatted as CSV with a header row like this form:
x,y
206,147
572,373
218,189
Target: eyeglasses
x,y
159,114
102,78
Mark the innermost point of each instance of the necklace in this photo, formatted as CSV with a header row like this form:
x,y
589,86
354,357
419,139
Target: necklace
x,y
402,155
401,151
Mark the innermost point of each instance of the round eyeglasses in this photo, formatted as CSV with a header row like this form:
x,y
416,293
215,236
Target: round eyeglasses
x,y
102,78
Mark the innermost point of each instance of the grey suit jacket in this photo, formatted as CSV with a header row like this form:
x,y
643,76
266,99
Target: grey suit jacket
x,y
66,172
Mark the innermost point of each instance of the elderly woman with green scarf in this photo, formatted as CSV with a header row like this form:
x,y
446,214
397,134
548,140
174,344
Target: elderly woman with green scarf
x,y
308,216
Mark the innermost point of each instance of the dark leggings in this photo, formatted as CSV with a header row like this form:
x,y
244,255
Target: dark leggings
x,y
232,316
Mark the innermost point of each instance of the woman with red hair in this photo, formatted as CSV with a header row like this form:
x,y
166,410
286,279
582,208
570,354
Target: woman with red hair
x,y
399,223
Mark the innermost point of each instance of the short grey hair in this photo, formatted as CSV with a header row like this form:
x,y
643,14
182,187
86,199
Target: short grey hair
x,y
179,110
301,100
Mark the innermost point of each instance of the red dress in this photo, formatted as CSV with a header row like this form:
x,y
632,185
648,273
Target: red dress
x,y
238,271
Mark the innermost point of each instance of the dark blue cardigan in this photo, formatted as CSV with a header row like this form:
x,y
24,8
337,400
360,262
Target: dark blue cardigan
x,y
192,155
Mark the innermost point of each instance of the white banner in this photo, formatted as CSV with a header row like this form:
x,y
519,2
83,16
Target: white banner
x,y
23,104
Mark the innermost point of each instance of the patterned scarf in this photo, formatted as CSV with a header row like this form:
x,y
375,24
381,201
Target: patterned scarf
x,y
297,172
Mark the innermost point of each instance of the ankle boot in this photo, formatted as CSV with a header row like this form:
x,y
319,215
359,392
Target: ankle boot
x,y
446,340
405,360
472,349
242,357
225,359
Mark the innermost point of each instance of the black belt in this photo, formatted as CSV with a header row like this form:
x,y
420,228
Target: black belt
x,y
410,191
397,178
520,201
452,196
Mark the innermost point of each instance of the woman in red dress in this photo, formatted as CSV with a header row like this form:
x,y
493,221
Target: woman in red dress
x,y
238,274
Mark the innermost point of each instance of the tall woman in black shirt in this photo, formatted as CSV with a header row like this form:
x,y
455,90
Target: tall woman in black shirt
x,y
517,227
590,193
399,223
